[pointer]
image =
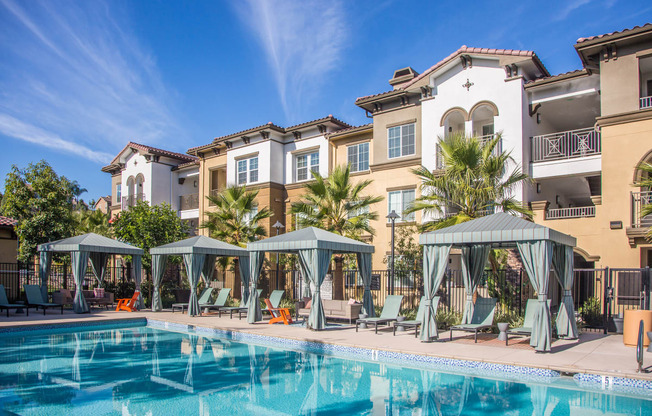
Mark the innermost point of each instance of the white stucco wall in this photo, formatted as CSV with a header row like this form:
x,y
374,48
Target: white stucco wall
x,y
262,148
293,149
161,190
137,164
190,186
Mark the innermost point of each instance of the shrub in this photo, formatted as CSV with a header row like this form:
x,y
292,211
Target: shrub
x,y
446,319
591,312
513,318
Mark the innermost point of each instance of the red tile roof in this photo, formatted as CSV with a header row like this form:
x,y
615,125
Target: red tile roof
x,y
155,150
352,128
552,78
622,32
7,222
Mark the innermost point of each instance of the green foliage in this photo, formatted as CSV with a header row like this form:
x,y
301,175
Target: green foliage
x,y
288,303
407,250
445,318
336,204
235,219
410,314
512,317
41,201
87,221
473,182
646,183
591,312
146,227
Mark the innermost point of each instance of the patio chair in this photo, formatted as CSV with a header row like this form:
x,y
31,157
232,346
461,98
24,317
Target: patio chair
x,y
482,318
242,309
278,314
526,329
35,299
220,301
389,314
416,323
275,300
128,304
4,302
203,299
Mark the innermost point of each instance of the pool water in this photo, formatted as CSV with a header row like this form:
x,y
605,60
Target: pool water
x,y
147,371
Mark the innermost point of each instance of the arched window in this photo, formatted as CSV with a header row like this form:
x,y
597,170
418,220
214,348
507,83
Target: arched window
x,y
482,118
453,121
140,180
131,186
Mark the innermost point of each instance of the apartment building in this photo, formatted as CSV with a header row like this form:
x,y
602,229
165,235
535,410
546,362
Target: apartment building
x,y
145,173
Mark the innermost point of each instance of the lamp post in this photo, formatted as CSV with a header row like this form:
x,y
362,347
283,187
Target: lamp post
x,y
392,216
278,227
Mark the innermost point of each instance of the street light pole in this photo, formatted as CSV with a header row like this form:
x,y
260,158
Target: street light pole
x,y
393,216
278,227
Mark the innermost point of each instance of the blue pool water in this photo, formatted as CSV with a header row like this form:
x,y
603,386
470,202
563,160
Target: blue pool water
x,y
147,371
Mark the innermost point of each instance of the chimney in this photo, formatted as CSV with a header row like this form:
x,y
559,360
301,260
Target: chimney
x,y
401,76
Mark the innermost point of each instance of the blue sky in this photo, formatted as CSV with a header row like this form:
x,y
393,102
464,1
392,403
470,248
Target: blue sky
x,y
78,80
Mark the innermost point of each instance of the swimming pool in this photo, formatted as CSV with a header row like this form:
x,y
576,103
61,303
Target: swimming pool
x,y
142,370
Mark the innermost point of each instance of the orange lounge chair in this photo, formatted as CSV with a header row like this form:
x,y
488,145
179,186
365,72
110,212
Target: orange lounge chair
x,y
278,314
128,304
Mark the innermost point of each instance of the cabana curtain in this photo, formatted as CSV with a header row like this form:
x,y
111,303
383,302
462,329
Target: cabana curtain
x,y
318,261
474,259
537,259
244,267
435,260
304,275
158,267
137,264
194,265
254,314
98,265
364,266
79,261
45,262
562,262
209,268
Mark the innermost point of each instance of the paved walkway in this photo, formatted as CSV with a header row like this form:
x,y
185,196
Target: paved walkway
x,y
592,353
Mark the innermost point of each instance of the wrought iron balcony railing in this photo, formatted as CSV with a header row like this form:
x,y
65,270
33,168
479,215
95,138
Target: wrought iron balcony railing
x,y
130,200
639,200
574,212
190,201
566,145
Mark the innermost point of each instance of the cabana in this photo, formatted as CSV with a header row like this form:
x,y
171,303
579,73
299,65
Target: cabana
x,y
314,247
199,255
540,248
82,248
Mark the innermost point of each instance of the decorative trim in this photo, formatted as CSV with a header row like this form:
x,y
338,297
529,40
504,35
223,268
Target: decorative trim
x,y
310,149
452,110
644,54
401,188
628,117
247,156
479,104
413,161
401,123
585,255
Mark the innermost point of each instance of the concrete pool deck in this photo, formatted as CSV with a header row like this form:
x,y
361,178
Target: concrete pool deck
x,y
593,353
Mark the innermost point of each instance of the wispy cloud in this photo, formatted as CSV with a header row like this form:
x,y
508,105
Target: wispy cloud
x,y
303,42
73,79
569,8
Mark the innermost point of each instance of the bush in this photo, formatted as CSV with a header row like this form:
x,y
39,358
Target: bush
x,y
591,312
513,318
288,303
446,319
410,314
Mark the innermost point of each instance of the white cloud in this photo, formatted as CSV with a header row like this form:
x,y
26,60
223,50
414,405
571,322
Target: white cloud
x,y
72,70
569,8
303,42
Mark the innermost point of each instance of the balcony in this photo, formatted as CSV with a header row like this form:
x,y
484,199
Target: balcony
x,y
646,102
566,145
639,200
188,202
574,212
131,200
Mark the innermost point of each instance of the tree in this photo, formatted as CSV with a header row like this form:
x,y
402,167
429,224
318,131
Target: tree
x,y
236,220
338,205
148,226
41,202
645,182
88,221
474,183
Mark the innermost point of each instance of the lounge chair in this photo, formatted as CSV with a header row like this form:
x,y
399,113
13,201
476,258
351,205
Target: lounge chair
x,y
4,302
128,304
278,314
526,329
275,300
416,323
203,300
222,297
35,299
242,309
483,317
389,314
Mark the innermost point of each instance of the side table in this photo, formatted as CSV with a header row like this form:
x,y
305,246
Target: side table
x,y
503,327
400,328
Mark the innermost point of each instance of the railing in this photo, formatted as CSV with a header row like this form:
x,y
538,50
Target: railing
x,y
439,157
130,200
190,201
566,145
646,102
574,212
639,200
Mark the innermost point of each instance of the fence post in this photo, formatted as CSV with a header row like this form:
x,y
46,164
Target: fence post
x,y
520,291
646,288
606,281
448,291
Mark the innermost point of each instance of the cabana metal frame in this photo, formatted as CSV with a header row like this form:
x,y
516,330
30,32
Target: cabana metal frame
x,y
314,248
199,256
540,248
83,248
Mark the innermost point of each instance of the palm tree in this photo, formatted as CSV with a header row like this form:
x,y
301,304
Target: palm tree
x,y
338,205
645,182
474,183
236,220
87,221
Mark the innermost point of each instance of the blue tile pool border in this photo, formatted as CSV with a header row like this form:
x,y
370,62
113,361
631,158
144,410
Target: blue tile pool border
x,y
14,331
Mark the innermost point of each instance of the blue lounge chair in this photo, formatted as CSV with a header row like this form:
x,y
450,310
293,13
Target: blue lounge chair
x,y
4,302
526,329
389,314
483,317
35,299
203,299
416,323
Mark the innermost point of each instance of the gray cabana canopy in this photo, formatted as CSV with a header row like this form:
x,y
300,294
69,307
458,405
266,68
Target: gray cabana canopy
x,y
82,248
540,248
199,255
314,247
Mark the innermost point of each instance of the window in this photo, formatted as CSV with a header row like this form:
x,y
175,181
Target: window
x,y
248,170
298,217
399,201
400,140
118,192
307,163
356,212
488,130
358,156
249,216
